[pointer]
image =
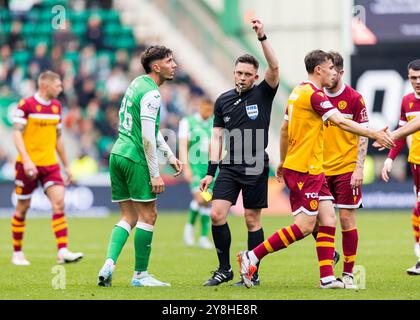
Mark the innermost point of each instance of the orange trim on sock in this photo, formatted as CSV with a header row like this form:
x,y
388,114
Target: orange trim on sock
x,y
324,263
325,244
61,240
290,232
325,235
283,238
18,229
58,221
268,246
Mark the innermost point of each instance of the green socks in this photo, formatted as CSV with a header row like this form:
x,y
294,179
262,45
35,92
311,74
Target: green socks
x,y
193,212
205,221
119,237
143,245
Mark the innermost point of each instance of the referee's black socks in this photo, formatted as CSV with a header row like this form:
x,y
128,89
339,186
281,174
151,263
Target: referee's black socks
x,y
222,240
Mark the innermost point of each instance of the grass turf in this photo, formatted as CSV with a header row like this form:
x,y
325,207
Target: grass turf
x,y
385,251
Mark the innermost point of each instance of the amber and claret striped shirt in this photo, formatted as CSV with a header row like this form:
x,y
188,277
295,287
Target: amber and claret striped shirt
x,y
307,109
41,120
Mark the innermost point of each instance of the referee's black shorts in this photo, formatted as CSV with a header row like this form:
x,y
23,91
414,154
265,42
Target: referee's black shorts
x,y
230,182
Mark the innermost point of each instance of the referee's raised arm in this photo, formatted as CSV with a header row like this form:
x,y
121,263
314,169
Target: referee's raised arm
x,y
272,73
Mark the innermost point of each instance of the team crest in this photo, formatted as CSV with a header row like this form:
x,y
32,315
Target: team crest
x,y
410,105
300,185
252,111
342,105
362,101
314,204
54,109
321,94
355,199
38,108
19,190
21,102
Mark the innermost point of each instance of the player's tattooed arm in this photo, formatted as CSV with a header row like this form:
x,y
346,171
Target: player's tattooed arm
x,y
357,176
362,152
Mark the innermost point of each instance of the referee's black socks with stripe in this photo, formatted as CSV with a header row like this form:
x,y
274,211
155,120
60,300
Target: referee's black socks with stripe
x,y
222,240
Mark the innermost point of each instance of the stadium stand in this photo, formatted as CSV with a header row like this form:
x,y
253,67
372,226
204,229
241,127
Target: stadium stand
x,y
97,57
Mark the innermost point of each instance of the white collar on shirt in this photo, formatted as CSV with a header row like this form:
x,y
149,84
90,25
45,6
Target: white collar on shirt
x,y
336,94
309,81
42,101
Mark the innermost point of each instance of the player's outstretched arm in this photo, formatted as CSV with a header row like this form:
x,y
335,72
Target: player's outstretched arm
x,y
272,73
28,166
407,129
382,136
63,157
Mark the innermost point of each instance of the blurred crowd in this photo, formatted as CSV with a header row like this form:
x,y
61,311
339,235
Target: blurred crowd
x,y
95,77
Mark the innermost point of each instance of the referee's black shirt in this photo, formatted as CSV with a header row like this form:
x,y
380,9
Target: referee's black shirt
x,y
246,119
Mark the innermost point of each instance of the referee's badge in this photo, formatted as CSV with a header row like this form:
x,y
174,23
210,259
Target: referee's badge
x,y
252,111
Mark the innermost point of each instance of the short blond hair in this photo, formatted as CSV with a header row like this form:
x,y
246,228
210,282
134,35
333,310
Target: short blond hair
x,y
48,76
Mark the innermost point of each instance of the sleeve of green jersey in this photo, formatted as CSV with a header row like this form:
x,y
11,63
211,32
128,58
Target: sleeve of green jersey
x,y
150,105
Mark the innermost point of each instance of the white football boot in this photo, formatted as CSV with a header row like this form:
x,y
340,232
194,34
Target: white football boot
x,y
66,256
18,259
144,279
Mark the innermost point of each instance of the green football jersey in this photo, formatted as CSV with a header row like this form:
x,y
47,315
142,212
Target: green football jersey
x,y
199,133
142,100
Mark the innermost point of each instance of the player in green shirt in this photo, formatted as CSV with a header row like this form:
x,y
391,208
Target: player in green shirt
x,y
134,167
194,139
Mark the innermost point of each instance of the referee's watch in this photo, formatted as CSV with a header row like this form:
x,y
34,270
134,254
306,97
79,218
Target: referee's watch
x,y
264,37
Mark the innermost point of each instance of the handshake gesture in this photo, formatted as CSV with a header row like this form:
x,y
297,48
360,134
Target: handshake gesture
x,y
383,139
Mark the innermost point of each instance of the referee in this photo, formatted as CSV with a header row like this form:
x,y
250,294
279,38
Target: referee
x,y
242,118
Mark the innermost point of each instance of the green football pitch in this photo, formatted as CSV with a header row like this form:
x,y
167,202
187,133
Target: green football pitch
x,y
385,252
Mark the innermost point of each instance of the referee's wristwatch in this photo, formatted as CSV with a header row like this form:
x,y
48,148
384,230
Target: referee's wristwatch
x,y
264,37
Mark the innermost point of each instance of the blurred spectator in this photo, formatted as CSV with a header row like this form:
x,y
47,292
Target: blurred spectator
x,y
85,91
15,39
88,60
94,32
121,59
40,57
6,64
56,58
117,82
65,37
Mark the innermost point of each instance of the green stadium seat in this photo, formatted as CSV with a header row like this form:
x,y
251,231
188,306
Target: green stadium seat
x,y
32,42
78,17
112,28
79,28
21,57
73,57
51,3
4,15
